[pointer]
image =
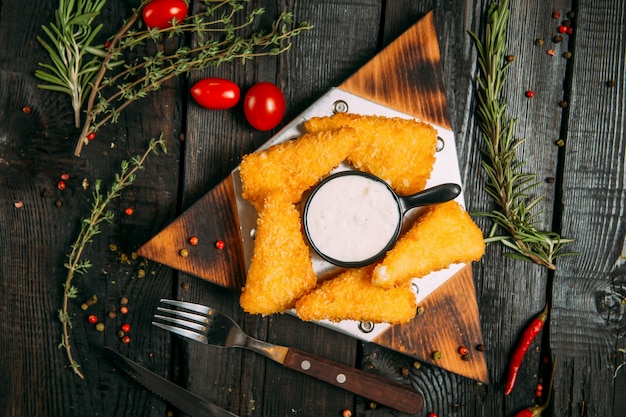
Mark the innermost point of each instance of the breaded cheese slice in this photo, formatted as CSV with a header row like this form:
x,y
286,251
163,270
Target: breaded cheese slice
x,y
445,234
294,166
352,296
280,270
400,151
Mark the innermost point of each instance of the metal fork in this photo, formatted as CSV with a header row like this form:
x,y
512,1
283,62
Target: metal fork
x,y
207,325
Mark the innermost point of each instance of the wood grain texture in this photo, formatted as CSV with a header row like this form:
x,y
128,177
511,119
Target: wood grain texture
x,y
587,324
585,202
450,321
211,219
406,75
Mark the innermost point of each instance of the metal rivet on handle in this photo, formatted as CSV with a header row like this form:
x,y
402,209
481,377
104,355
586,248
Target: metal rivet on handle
x,y
306,365
341,378
340,106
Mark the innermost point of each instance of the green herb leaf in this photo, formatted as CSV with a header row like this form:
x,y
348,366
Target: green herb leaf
x,y
506,183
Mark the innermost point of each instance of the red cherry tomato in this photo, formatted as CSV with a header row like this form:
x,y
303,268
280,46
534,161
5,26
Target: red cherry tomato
x,y
215,93
159,13
264,106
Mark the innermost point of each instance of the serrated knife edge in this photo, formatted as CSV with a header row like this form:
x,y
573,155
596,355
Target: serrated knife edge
x,y
179,397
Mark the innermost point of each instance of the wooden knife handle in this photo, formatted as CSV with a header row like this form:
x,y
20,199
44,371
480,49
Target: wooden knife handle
x,y
373,387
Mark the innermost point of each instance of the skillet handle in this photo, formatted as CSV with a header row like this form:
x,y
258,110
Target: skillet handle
x,y
366,384
434,195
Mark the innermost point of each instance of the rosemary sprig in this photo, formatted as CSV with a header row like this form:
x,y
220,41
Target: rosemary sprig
x,y
75,60
506,183
217,41
90,227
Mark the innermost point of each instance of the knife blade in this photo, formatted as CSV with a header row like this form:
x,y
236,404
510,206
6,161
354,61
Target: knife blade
x,y
179,397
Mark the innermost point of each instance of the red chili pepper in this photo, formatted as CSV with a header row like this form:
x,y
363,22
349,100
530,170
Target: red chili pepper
x,y
522,346
535,411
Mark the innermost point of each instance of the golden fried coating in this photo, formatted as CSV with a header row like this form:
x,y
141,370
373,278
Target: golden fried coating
x,y
294,166
445,234
280,270
400,151
352,296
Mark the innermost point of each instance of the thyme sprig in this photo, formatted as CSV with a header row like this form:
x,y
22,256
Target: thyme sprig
x,y
507,184
217,40
90,227
70,45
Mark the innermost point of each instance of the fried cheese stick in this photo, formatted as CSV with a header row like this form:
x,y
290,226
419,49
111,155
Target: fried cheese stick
x,y
294,166
443,235
352,296
400,151
280,270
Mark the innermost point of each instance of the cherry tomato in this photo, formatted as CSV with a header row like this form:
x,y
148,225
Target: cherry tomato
x,y
264,106
215,93
159,13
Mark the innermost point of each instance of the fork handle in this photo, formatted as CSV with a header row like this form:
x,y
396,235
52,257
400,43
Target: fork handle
x,y
373,387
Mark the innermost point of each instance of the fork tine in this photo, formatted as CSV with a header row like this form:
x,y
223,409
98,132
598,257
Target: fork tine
x,y
179,322
199,308
183,332
190,316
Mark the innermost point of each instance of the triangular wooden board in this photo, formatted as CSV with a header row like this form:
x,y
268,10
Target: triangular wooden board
x,y
405,76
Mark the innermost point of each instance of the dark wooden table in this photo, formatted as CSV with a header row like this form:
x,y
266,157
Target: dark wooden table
x,y
579,100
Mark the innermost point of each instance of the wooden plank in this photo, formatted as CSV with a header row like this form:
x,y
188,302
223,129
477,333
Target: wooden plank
x,y
586,328
36,148
215,142
509,293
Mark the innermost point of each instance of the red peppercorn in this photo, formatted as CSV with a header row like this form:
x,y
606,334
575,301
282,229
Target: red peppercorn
x,y
26,109
463,350
556,14
126,339
107,44
562,29
126,328
193,240
570,30
92,319
220,244
530,94
129,211
91,136
124,310
61,185
432,414
65,176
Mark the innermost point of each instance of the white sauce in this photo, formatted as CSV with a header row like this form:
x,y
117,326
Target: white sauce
x,y
352,218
